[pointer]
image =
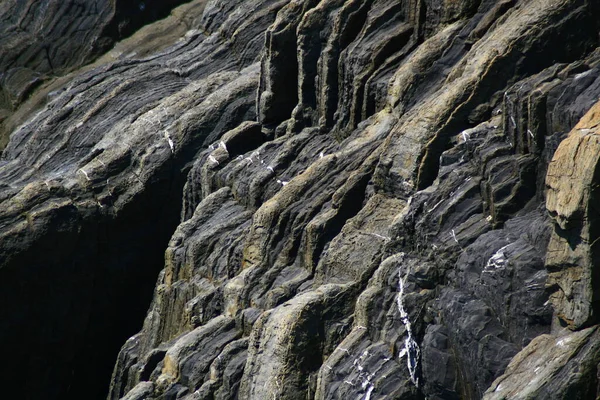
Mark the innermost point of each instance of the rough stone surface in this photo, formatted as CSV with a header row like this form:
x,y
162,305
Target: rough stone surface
x,y
306,199
45,40
551,367
572,201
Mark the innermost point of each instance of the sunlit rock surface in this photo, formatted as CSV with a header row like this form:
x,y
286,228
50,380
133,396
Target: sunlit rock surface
x,y
364,199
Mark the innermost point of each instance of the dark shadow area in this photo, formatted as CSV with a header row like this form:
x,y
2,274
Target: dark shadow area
x,y
69,303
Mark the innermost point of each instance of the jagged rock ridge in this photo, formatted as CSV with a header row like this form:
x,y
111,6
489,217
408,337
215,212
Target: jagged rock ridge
x,y
375,199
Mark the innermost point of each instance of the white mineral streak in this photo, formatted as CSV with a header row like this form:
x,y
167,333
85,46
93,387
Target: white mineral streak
x,y
364,375
213,160
85,174
435,206
453,234
377,235
411,349
170,141
369,391
360,375
498,259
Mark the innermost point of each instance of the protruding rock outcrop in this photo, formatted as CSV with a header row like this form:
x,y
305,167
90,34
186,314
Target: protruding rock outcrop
x,y
552,368
572,198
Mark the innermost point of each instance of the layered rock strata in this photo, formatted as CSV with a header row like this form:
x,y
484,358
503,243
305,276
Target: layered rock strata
x,y
365,199
45,40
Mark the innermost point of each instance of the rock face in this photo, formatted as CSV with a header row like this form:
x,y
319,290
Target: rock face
x,y
572,202
364,199
42,40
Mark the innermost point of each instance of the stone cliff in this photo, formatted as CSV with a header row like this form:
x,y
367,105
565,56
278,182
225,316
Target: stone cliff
x,y
300,199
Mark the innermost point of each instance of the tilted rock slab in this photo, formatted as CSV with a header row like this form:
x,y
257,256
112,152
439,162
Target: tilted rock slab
x,y
571,200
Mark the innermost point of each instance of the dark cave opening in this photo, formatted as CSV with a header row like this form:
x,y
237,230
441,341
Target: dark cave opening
x,y
133,256
73,299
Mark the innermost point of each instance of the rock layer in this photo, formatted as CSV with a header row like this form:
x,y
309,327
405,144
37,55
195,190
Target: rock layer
x,y
364,199
45,40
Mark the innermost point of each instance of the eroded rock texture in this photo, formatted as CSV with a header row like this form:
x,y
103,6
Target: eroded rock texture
x,y
364,199
43,40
